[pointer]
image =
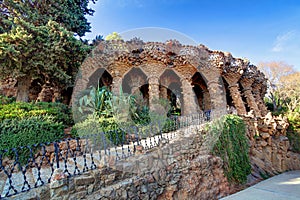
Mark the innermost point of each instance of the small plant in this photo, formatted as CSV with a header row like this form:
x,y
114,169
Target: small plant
x,y
98,100
232,146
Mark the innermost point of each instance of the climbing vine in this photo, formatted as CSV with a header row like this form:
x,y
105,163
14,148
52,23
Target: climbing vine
x,y
232,146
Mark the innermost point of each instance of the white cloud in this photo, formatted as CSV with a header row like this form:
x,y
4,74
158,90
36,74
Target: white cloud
x,y
282,41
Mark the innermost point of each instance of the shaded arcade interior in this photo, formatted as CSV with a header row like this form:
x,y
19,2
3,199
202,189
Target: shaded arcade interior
x,y
169,87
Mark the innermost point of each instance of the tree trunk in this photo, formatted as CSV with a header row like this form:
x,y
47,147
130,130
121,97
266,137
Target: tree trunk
x,y
56,94
23,88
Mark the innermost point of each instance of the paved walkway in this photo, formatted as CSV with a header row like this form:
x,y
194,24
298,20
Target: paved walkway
x,y
285,186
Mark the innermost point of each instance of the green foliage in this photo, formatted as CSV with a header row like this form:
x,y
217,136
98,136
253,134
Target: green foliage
x,y
293,132
99,101
29,51
6,100
92,126
169,126
21,110
89,126
141,117
112,130
28,131
101,111
232,146
37,40
122,107
69,13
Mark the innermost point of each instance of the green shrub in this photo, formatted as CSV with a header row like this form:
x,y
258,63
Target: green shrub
x,y
6,100
232,146
93,126
169,126
21,110
293,132
28,131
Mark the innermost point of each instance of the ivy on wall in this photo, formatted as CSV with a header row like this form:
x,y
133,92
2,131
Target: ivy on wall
x,y
232,146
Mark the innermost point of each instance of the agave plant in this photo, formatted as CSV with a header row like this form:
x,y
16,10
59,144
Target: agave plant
x,y
99,101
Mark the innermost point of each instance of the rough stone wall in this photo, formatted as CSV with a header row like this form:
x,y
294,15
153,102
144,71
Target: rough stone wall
x,y
180,169
269,152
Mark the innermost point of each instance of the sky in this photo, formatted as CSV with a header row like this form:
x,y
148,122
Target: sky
x,y
259,30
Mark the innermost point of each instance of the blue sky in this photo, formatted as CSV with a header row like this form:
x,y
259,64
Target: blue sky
x,y
260,30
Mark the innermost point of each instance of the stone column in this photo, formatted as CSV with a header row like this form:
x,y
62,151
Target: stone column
x,y
237,98
259,100
116,85
190,105
206,102
153,92
216,88
247,89
134,89
232,77
164,92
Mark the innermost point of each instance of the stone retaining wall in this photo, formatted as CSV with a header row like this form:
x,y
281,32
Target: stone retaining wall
x,y
180,169
270,151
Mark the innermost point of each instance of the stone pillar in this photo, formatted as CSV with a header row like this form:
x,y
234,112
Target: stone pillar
x,y
116,85
190,105
259,100
206,102
237,99
232,79
153,92
247,89
216,89
164,92
134,89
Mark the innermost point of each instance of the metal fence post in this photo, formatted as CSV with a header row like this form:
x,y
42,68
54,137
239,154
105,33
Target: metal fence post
x,y
56,150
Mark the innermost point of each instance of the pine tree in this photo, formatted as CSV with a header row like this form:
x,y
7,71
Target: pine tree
x,y
28,51
68,13
37,41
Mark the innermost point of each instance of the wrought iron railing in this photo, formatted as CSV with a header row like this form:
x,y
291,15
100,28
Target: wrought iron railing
x,y
25,168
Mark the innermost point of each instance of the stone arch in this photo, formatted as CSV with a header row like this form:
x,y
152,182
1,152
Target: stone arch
x,y
133,80
213,79
101,77
153,58
186,70
201,91
170,88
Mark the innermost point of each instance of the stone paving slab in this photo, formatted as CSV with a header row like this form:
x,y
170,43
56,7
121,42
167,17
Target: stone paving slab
x,y
285,186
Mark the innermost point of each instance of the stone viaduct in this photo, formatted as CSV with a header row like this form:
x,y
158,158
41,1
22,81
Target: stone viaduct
x,y
198,78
